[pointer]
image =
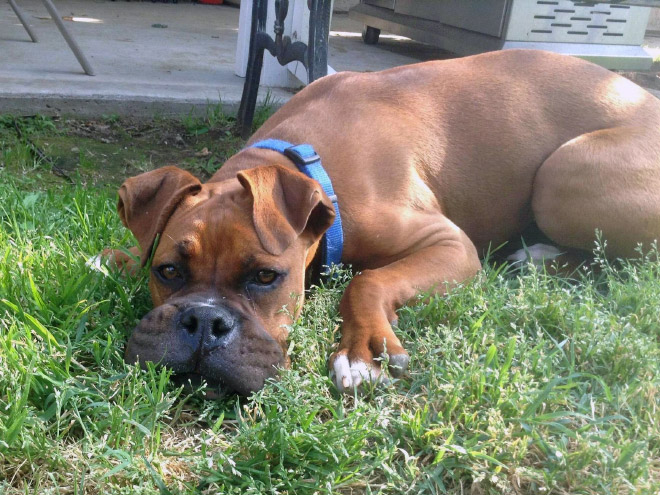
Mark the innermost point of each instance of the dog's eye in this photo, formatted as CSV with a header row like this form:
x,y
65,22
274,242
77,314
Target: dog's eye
x,y
169,272
265,277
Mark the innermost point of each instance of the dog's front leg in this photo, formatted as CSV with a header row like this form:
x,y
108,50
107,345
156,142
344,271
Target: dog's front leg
x,y
370,302
127,261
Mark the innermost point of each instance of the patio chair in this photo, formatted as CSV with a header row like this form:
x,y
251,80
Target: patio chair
x,y
313,55
57,18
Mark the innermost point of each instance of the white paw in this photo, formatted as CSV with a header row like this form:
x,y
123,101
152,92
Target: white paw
x,y
98,263
536,254
348,375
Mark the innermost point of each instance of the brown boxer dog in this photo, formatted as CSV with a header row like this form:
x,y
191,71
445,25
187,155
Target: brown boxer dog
x,y
431,163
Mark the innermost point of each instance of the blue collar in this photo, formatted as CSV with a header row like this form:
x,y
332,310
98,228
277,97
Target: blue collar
x,y
309,163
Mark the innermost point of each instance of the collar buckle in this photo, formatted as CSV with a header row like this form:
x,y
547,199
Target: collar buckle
x,y
294,154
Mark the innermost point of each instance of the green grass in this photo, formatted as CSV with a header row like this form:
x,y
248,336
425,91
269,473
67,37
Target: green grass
x,y
520,382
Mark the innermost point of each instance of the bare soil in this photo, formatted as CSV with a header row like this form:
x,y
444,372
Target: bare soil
x,y
649,80
106,151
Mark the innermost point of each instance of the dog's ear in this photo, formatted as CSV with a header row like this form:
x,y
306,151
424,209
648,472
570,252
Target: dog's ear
x,y
286,204
147,201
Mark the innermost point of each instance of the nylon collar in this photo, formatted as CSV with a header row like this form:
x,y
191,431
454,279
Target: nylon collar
x,y
309,163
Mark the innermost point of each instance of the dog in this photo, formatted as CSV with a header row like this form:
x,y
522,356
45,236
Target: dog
x,y
428,165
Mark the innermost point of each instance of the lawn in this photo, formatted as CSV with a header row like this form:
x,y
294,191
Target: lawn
x,y
520,381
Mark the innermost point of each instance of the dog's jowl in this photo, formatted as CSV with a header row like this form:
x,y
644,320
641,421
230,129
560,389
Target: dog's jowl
x,y
408,175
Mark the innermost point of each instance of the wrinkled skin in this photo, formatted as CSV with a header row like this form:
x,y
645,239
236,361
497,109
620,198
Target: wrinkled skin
x,y
216,315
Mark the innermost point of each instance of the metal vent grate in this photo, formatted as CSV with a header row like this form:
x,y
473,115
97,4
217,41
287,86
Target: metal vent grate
x,y
574,22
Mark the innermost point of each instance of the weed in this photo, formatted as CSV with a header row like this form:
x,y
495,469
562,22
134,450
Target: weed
x,y
27,126
264,110
214,117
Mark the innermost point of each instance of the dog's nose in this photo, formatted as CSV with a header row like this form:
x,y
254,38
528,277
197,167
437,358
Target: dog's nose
x,y
212,324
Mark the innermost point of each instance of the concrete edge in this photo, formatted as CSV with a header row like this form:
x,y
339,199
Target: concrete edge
x,y
145,107
98,106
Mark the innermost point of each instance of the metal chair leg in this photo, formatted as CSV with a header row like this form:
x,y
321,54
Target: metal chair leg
x,y
317,46
250,93
21,17
253,75
55,15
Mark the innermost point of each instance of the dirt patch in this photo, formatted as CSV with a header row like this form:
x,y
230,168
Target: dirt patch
x,y
107,151
647,80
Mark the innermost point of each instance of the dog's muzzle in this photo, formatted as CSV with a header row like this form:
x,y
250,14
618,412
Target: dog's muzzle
x,y
205,340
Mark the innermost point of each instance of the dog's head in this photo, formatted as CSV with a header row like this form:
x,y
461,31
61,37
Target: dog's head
x,y
228,270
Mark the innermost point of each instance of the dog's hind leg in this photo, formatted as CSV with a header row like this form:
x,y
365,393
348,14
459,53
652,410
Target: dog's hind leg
x,y
607,180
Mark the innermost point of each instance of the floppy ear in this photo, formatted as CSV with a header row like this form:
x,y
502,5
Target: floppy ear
x,y
286,203
147,201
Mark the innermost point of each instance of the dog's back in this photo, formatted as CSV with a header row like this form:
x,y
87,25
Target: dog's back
x,y
475,130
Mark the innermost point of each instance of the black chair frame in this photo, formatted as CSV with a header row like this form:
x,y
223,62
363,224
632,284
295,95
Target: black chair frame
x,y
313,55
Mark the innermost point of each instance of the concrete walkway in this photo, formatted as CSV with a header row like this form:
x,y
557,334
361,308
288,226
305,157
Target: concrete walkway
x,y
145,68
155,58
